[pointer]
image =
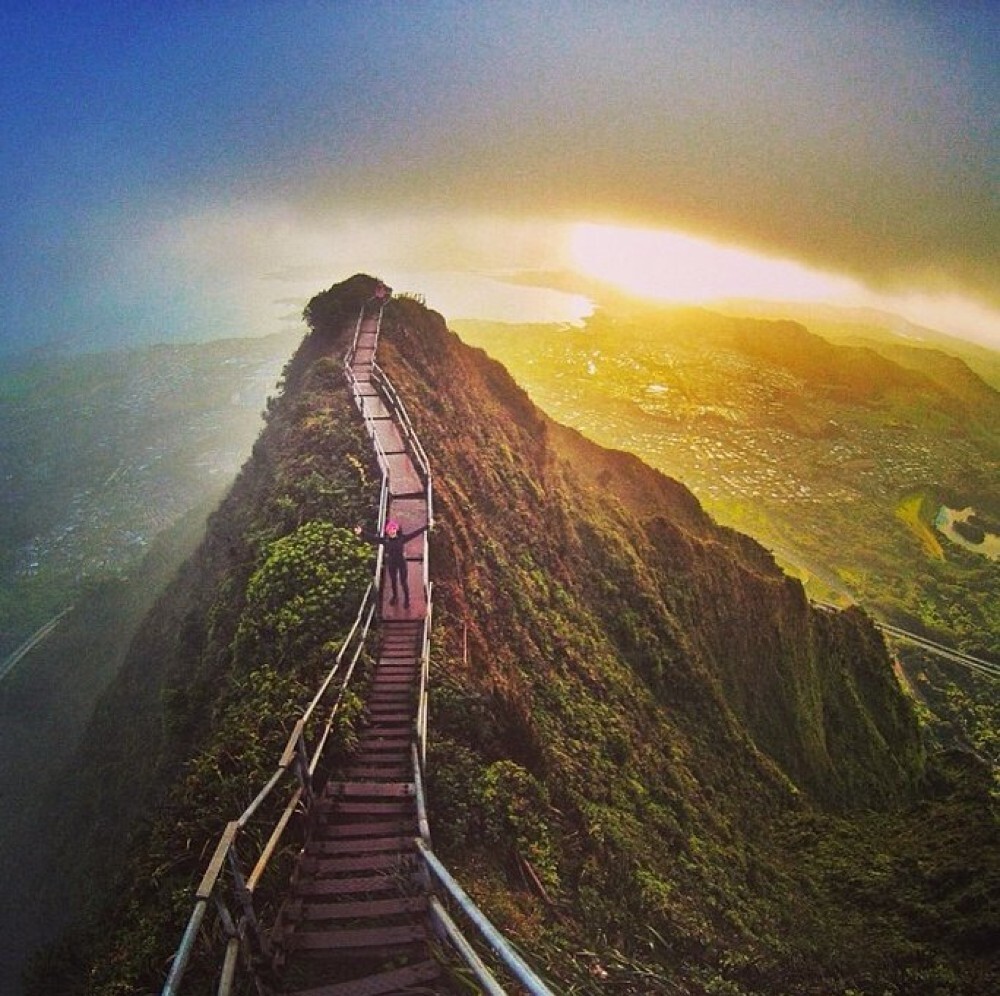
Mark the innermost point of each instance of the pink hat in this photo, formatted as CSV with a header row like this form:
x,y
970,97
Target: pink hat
x,y
392,526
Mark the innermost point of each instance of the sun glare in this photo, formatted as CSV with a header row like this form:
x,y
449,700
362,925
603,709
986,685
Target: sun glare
x,y
672,266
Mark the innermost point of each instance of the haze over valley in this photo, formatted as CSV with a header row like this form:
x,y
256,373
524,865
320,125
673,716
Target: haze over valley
x,y
102,452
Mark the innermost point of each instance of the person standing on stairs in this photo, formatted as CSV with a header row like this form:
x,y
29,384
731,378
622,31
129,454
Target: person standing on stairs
x,y
394,541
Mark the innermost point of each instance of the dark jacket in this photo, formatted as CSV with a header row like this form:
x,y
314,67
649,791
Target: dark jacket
x,y
394,545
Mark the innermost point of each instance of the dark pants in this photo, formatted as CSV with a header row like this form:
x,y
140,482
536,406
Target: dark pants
x,y
398,571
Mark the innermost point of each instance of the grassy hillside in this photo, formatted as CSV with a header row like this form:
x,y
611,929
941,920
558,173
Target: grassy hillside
x,y
45,709
102,452
652,761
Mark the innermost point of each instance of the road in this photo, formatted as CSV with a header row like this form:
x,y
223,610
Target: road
x,y
11,662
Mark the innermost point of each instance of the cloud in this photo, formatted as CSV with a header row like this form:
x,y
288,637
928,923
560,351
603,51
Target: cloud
x,y
853,139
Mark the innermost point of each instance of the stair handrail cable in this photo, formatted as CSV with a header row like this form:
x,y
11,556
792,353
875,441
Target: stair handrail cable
x,y
977,664
957,656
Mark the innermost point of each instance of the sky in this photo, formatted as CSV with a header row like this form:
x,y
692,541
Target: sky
x,y
199,169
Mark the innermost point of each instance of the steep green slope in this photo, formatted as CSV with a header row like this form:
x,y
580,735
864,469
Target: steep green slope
x,y
657,694
652,761
44,711
684,602
214,679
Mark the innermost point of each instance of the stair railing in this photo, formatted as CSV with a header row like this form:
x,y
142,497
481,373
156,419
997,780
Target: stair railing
x,y
236,912
395,403
243,933
442,880
234,905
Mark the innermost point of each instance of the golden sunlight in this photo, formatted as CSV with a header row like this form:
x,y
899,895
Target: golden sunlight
x,y
672,266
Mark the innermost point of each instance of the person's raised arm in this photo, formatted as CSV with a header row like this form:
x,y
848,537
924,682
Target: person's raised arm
x,y
367,537
416,532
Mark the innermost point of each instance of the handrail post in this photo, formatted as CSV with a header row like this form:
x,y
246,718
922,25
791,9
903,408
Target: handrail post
x,y
172,986
233,948
302,769
259,948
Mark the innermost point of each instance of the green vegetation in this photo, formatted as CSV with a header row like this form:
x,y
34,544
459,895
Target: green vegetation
x,y
913,512
835,452
675,715
100,453
221,669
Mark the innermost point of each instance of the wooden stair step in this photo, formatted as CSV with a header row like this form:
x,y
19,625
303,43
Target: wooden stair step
x,y
398,724
375,863
372,772
383,715
356,885
365,909
383,828
392,701
367,807
385,738
356,846
395,980
375,773
356,938
381,758
398,754
386,747
390,789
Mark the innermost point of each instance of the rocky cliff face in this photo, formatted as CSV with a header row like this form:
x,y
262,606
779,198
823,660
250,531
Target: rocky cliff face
x,y
719,636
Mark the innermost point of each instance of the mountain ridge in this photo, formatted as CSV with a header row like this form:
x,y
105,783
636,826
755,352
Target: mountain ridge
x,y
633,710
